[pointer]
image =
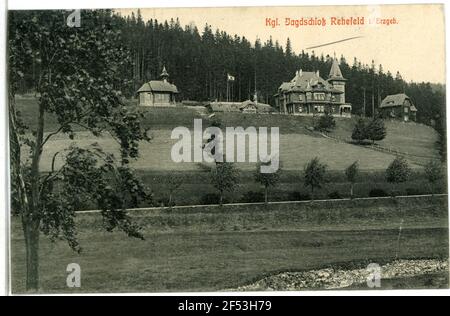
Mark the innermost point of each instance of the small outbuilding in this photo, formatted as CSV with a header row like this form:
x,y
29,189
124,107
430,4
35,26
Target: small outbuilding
x,y
159,93
398,106
241,107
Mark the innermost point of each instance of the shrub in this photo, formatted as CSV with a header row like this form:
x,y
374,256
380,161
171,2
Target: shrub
x,y
299,196
252,197
335,195
325,122
268,179
210,198
378,193
351,173
434,173
413,191
314,175
398,171
224,177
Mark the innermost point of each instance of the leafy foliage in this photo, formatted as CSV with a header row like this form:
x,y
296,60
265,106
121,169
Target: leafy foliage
x,y
77,78
224,177
434,172
398,171
173,182
326,122
352,172
266,179
314,174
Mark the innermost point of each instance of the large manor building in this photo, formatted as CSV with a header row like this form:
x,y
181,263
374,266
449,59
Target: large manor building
x,y
309,94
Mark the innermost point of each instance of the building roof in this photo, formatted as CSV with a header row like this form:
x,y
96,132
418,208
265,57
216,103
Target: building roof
x,y
164,73
239,106
226,106
261,107
158,86
395,100
306,81
335,72
309,81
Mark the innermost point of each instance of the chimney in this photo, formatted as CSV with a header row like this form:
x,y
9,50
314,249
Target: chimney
x,y
300,73
318,73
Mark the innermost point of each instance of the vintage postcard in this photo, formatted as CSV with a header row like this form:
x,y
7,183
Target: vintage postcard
x,y
236,149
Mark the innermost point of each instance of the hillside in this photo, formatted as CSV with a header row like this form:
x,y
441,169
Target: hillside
x,y
416,141
297,144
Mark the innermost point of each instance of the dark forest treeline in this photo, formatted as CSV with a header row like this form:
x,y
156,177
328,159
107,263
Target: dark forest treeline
x,y
198,62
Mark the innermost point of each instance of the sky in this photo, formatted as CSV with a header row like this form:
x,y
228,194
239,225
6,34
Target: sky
x,y
414,44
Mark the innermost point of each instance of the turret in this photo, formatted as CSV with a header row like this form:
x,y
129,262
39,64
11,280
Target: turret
x,y
164,75
337,80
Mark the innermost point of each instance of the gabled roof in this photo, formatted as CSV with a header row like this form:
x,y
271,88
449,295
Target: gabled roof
x,y
158,86
394,100
307,81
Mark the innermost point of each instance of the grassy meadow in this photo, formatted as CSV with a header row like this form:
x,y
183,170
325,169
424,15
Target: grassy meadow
x,y
298,145
212,249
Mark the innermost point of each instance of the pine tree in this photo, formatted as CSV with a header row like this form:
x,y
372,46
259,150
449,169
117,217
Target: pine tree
x,y
359,133
288,47
376,130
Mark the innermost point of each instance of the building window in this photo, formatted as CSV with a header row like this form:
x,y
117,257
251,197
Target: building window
x,y
319,108
319,96
406,110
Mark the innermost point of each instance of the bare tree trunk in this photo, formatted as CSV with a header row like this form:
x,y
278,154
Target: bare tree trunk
x,y
31,233
30,225
31,217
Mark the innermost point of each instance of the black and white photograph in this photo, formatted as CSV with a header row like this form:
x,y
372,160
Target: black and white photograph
x,y
257,149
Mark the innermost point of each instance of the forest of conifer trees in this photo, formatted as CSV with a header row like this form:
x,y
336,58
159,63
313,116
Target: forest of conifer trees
x,y
198,62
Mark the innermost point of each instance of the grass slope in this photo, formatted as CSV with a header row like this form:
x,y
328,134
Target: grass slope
x,y
209,249
297,141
